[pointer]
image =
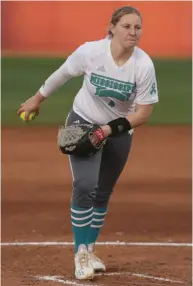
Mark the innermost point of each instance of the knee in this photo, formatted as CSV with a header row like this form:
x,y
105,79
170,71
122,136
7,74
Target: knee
x,y
84,192
102,198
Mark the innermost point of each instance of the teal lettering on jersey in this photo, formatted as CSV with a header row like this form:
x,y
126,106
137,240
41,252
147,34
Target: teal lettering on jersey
x,y
110,87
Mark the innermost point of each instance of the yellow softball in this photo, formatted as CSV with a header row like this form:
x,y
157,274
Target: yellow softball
x,y
31,116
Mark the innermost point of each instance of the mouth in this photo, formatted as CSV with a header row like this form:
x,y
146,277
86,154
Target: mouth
x,y
131,40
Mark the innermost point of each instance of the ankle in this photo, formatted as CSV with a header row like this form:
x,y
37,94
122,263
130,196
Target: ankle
x,y
82,247
91,247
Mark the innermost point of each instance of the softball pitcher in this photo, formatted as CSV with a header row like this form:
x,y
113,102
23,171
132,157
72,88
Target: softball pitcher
x,y
118,94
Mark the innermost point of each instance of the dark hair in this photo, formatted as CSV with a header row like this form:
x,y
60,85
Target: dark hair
x,y
119,13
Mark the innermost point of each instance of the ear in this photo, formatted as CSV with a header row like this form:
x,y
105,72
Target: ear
x,y
111,28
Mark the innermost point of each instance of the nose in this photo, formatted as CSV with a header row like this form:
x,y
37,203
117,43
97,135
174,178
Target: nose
x,y
132,31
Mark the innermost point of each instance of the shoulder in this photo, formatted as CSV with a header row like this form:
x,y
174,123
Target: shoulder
x,y
92,47
144,65
143,60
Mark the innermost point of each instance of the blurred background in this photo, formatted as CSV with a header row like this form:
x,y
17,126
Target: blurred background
x,y
38,36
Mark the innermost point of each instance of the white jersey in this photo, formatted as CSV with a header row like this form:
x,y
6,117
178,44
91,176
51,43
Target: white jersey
x,y
109,91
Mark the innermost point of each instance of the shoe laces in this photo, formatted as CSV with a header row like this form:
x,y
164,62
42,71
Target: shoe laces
x,y
95,257
83,260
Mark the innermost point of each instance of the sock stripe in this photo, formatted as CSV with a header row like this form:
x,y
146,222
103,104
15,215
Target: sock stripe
x,y
81,221
98,219
96,213
81,212
81,225
81,218
96,226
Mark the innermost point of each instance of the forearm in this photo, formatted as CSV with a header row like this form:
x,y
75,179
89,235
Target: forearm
x,y
139,118
39,98
134,120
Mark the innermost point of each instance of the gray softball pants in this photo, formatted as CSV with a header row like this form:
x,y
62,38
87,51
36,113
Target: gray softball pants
x,y
94,177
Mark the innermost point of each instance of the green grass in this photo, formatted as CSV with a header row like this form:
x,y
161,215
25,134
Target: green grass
x,y
22,77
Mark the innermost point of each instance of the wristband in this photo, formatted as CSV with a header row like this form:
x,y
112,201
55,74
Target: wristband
x,y
119,125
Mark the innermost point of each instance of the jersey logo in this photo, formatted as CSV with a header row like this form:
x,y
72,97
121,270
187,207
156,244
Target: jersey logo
x,y
153,89
101,69
110,87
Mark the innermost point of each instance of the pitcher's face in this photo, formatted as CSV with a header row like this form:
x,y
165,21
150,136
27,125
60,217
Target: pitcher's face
x,y
128,30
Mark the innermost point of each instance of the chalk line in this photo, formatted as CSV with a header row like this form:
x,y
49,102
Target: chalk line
x,y
113,243
59,280
139,275
62,280
156,278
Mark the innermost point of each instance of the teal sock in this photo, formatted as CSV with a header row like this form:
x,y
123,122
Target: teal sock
x,y
96,226
81,219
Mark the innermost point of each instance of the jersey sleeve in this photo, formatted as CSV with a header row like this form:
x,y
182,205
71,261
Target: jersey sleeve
x,y
146,85
72,67
55,80
76,61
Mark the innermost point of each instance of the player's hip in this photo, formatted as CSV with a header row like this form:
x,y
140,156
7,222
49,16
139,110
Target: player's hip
x,y
74,118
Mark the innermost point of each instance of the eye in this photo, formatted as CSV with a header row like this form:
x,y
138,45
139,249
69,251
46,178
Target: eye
x,y
126,26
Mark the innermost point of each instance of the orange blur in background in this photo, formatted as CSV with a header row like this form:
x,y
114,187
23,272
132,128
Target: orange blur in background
x,y
60,27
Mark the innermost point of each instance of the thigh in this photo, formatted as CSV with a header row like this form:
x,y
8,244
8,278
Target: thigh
x,y
114,158
85,171
83,167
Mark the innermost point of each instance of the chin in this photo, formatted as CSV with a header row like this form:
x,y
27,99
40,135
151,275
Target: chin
x,y
130,45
